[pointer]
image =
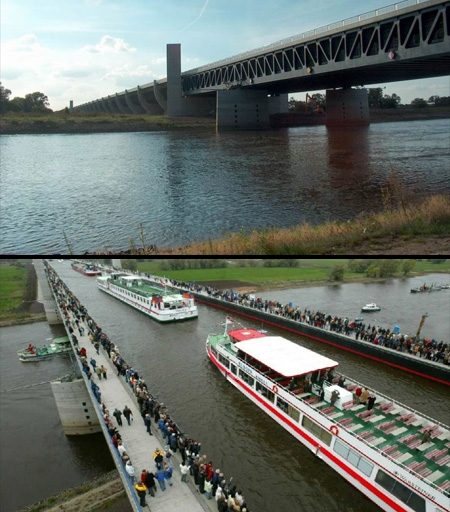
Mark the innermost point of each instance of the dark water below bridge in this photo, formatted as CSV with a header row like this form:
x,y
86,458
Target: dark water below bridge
x,y
275,471
185,186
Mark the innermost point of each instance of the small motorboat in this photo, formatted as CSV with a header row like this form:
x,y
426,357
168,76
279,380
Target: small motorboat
x,y
368,308
33,354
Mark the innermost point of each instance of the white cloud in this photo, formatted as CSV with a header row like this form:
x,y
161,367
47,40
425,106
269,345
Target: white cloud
x,y
110,44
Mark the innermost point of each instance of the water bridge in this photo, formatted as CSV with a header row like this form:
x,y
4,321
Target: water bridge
x,y
81,414
404,41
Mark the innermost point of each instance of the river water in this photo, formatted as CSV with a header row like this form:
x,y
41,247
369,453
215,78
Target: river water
x,y
275,471
185,186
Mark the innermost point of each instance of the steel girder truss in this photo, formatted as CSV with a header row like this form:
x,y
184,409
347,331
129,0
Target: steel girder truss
x,y
414,30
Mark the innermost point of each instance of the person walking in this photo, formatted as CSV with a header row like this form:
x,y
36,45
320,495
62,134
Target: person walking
x,y
118,415
184,472
160,477
93,363
141,490
97,346
128,414
158,457
98,372
149,481
168,473
130,471
148,423
103,370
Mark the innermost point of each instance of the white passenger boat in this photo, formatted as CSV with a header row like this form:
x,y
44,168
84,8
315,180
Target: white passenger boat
x,y
397,457
368,308
146,296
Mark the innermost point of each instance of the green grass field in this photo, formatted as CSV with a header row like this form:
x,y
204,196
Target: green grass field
x,y
12,288
309,271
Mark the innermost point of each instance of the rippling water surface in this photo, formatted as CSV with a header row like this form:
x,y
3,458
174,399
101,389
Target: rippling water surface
x,y
275,471
183,187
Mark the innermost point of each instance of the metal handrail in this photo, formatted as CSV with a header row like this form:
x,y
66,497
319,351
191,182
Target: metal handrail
x,y
321,30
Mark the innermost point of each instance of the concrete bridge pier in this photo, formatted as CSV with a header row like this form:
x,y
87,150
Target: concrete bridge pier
x,y
349,107
242,110
50,307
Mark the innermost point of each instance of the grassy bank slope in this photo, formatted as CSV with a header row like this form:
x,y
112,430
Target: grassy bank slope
x,y
18,285
95,123
430,217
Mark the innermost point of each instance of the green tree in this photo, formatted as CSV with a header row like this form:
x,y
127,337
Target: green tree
x,y
419,103
408,266
336,273
375,97
36,102
296,106
4,99
373,271
129,264
391,101
17,104
433,100
360,266
389,267
320,99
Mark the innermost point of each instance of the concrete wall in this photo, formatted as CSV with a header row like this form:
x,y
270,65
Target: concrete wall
x,y
174,108
51,310
278,104
75,408
347,107
201,106
242,110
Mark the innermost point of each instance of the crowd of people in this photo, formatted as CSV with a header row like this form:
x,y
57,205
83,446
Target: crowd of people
x,y
426,348
210,481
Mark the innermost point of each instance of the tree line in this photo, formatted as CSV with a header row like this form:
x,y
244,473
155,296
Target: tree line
x,y
32,102
376,100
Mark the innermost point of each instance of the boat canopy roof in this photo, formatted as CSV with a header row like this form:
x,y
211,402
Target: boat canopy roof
x,y
245,334
131,278
283,356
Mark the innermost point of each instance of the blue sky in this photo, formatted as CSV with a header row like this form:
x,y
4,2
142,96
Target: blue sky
x,y
85,49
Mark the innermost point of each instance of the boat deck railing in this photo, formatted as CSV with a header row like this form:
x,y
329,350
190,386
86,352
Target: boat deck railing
x,y
228,347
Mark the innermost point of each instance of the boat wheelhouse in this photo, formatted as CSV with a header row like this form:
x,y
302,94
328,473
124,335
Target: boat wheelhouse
x,y
33,354
150,298
394,455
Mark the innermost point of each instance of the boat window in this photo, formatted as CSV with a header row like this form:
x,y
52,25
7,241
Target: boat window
x,y
288,409
400,491
246,378
353,457
233,369
319,432
262,390
224,360
214,351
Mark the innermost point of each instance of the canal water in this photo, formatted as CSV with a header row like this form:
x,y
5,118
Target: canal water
x,y
182,187
275,471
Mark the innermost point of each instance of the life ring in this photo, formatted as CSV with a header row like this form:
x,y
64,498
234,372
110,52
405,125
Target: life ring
x,y
334,430
275,389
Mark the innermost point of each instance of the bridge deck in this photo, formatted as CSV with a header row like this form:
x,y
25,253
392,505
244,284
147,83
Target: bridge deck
x,y
139,445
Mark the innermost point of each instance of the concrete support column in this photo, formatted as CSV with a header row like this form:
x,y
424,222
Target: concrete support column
x,y
75,408
105,106
347,107
159,96
150,108
242,110
132,107
122,108
278,104
51,310
116,263
112,105
174,108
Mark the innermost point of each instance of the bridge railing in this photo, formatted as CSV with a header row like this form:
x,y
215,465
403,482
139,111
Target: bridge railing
x,y
311,33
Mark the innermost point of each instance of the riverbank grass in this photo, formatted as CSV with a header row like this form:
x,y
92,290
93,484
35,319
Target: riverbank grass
x,y
429,217
12,289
